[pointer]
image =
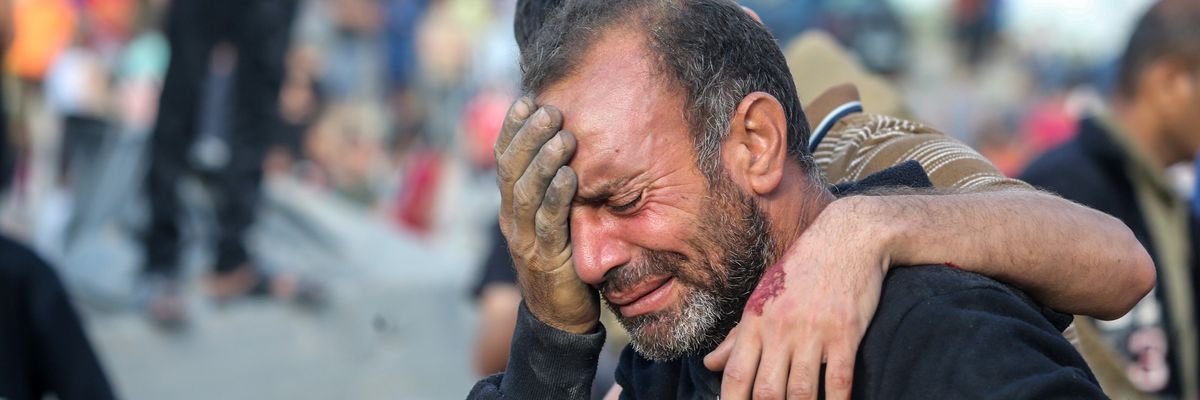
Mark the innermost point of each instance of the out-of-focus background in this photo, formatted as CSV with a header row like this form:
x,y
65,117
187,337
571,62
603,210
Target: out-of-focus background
x,y
378,181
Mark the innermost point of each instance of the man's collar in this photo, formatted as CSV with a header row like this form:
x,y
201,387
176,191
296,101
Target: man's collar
x,y
829,107
1139,160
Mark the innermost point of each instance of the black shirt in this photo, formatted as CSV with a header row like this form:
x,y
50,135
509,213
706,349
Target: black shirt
x,y
939,333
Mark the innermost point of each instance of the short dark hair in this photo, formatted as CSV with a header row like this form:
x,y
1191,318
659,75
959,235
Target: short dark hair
x,y
711,49
1170,29
530,16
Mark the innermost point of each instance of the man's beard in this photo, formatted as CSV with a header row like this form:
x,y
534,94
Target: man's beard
x,y
733,238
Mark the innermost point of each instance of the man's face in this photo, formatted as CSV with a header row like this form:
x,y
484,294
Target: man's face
x,y
1181,119
1190,129
674,255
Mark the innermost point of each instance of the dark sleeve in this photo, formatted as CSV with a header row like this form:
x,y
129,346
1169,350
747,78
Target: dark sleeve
x,y
1071,173
497,268
41,334
1073,177
979,343
544,363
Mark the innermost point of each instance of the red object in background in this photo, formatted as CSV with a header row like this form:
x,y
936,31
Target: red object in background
x,y
1049,125
112,19
1009,157
418,192
482,119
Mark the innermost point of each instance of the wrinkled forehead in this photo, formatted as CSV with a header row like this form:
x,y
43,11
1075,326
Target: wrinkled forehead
x,y
617,103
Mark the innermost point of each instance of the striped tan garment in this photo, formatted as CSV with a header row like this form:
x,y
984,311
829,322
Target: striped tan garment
x,y
861,144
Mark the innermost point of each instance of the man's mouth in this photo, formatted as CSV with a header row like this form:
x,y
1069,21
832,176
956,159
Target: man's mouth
x,y
645,297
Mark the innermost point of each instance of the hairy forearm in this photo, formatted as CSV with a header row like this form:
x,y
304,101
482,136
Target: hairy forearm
x,y
1066,256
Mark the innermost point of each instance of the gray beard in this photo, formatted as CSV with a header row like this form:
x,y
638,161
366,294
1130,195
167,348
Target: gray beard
x,y
688,332
737,229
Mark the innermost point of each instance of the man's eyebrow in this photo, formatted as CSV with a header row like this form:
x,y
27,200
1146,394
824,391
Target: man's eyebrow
x,y
599,193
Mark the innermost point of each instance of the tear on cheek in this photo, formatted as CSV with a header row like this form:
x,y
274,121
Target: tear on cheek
x,y
771,285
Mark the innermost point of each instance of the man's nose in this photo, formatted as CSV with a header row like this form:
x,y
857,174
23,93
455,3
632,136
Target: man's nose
x,y
598,247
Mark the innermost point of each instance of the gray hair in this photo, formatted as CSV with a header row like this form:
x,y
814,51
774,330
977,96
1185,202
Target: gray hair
x,y
710,48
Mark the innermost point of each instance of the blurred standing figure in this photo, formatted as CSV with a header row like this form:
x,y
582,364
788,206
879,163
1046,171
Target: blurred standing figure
x,y
976,24
259,30
1117,164
6,152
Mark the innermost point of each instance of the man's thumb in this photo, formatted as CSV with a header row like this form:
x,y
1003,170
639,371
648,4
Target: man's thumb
x,y
715,361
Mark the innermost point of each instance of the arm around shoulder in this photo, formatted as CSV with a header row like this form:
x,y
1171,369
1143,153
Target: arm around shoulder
x,y
1065,255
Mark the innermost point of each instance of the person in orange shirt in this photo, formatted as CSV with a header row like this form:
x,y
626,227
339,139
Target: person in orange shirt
x,y
41,29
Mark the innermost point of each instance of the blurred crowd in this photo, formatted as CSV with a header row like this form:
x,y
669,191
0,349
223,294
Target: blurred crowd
x,y
375,94
392,106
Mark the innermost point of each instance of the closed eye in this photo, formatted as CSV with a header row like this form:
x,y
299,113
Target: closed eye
x,y
627,206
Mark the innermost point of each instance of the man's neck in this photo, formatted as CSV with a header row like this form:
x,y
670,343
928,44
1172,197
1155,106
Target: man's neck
x,y
793,206
1145,130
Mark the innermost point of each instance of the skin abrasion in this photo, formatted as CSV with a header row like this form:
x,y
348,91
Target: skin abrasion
x,y
771,286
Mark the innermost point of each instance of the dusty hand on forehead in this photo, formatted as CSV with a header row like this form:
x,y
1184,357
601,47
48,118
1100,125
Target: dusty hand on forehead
x,y
536,189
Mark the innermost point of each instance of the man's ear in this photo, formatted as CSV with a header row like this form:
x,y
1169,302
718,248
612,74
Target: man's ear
x,y
756,149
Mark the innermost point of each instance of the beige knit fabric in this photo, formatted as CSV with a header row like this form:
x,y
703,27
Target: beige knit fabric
x,y
862,144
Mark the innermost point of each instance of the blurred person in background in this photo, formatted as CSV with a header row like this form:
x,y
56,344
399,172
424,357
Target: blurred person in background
x,y
1196,198
1117,164
7,157
299,107
873,142
40,29
77,89
400,30
259,31
355,54
44,350
975,26
346,144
